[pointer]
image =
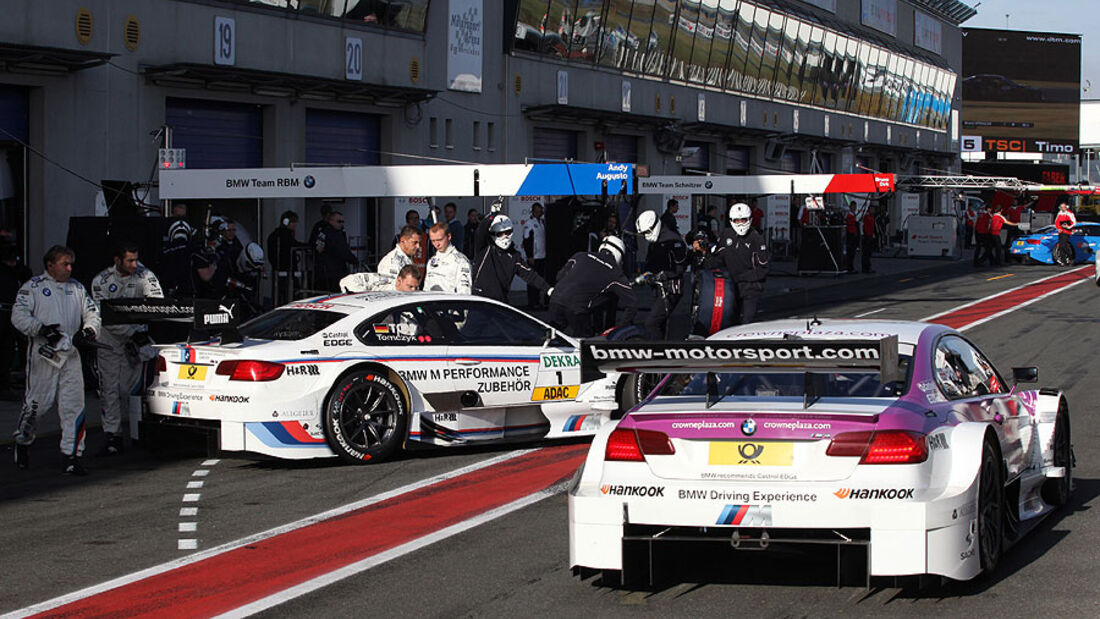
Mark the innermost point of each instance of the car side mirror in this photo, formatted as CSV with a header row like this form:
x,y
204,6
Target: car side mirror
x,y
1026,374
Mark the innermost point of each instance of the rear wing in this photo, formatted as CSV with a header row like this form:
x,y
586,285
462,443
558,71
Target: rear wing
x,y
793,355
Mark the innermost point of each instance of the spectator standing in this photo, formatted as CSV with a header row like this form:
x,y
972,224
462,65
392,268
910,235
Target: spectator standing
x,y
534,247
851,237
983,239
12,276
457,230
332,254
868,240
1064,222
281,244
668,218
118,360
51,309
469,232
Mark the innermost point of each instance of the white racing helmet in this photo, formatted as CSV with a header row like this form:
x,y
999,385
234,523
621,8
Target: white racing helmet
x,y
251,258
648,225
740,218
614,246
501,231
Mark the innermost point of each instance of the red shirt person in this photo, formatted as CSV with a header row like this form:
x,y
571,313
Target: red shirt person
x,y
1064,222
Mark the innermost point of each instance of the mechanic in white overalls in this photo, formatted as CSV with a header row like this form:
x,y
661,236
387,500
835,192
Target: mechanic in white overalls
x,y
51,309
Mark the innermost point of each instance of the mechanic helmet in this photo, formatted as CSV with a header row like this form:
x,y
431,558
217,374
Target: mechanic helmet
x,y
251,258
179,232
740,218
648,225
613,245
501,231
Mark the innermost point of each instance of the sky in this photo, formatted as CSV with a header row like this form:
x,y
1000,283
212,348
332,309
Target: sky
x,y
1065,16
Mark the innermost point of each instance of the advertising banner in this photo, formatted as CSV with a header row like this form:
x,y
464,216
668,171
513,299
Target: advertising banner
x,y
465,30
1021,91
933,236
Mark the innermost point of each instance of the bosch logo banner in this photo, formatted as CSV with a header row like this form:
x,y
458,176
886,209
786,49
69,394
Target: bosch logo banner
x,y
874,493
639,491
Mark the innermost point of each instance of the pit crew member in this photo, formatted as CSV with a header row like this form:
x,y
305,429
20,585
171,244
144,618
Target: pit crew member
x,y
741,252
119,362
449,270
1064,223
585,282
51,309
499,262
666,263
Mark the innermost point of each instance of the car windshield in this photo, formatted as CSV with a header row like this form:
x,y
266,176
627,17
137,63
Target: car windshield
x,y
289,324
853,384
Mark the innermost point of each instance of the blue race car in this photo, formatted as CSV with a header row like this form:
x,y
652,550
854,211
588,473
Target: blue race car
x,y
1041,245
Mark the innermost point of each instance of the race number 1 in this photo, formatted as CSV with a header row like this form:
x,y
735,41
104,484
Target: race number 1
x,y
353,59
225,41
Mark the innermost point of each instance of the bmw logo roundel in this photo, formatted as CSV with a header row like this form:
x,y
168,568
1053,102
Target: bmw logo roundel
x,y
708,184
309,181
748,427
46,292
112,288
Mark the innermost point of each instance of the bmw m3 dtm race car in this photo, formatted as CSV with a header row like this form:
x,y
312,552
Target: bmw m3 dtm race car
x,y
898,441
361,375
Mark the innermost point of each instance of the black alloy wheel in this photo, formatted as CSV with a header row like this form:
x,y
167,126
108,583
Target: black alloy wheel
x,y
1057,491
991,514
365,418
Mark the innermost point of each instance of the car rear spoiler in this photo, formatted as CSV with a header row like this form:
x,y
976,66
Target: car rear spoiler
x,y
599,357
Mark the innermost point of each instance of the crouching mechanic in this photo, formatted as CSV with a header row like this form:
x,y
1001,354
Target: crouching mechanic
x,y
449,270
587,281
118,362
742,254
499,263
51,310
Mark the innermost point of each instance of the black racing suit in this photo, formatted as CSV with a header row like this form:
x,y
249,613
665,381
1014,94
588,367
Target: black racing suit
x,y
746,260
667,260
585,282
331,264
494,269
280,253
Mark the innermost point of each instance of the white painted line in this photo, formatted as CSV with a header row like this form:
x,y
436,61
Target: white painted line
x,y
251,539
189,511
1020,306
210,462
361,566
996,294
194,484
187,544
189,527
191,498
881,309
201,473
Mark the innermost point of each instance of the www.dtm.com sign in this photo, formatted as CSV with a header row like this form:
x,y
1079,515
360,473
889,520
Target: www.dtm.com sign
x,y
554,179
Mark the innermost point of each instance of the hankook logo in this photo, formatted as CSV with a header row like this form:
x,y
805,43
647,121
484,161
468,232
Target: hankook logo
x,y
231,399
874,493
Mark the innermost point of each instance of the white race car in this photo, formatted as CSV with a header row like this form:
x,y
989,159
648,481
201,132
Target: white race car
x,y
361,375
896,441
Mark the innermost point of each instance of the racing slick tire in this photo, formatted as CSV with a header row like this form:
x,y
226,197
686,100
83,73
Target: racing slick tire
x,y
1061,256
991,507
365,417
1057,491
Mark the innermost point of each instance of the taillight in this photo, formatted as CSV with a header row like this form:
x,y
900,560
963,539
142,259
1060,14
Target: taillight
x,y
254,371
883,447
162,365
626,445
1033,241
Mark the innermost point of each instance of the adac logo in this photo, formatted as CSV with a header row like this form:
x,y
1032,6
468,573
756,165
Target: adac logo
x,y
750,452
308,182
748,427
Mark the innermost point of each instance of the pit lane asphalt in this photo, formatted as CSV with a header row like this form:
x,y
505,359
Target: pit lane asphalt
x,y
62,534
